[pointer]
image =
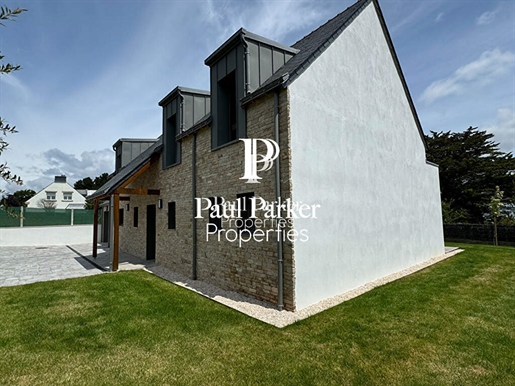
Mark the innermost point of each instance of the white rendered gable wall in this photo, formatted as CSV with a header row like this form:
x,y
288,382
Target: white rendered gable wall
x,y
357,152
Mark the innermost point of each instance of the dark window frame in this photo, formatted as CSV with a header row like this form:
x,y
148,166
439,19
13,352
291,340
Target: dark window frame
x,y
246,212
216,221
172,213
227,110
172,147
136,217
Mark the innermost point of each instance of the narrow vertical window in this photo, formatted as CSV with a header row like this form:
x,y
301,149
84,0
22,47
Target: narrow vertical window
x,y
136,217
172,151
121,211
171,215
215,209
227,109
245,205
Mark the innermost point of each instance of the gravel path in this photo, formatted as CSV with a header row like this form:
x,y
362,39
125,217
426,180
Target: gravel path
x,y
265,312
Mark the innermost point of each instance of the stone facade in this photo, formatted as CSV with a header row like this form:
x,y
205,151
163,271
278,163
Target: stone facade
x,y
250,269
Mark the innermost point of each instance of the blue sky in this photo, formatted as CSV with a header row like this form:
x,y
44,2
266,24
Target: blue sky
x,y
94,71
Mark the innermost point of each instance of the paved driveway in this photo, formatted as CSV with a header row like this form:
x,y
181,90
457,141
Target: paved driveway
x,y
23,265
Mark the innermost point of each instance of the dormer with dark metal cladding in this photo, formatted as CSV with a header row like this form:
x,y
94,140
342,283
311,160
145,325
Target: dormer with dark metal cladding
x,y
182,108
127,149
238,67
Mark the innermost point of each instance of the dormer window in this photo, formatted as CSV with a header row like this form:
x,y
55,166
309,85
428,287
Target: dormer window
x,y
127,149
240,66
182,108
228,108
172,154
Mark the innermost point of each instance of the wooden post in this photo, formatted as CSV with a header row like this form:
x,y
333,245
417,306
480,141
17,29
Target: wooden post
x,y
95,228
116,230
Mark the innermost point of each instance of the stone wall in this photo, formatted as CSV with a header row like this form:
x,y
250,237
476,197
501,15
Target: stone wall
x,y
250,269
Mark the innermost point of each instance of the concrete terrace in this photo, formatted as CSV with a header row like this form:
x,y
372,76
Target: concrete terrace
x,y
24,265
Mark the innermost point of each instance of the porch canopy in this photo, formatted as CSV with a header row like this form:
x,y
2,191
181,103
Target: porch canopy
x,y
117,186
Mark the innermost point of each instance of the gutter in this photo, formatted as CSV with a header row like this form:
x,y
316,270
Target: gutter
x,y
281,81
280,274
246,81
181,111
193,195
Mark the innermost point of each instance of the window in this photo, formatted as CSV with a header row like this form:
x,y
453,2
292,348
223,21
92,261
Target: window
x,y
172,147
135,217
121,216
245,202
215,206
227,109
118,165
50,195
67,196
171,215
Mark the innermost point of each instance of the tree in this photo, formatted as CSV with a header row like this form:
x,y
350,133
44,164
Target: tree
x,y
24,195
47,204
5,128
495,209
11,201
88,183
471,166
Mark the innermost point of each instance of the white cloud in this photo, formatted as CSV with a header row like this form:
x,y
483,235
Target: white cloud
x,y
16,84
486,17
439,18
55,162
489,66
504,129
272,19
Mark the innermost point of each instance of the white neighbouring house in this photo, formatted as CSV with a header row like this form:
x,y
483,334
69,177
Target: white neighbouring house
x,y
58,195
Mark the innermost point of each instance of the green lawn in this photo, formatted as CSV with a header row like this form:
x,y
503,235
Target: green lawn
x,y
453,323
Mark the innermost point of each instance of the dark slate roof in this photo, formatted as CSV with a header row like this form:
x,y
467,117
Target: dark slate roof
x,y
128,170
310,47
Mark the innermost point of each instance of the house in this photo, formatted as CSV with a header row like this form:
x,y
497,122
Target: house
x,y
58,195
300,175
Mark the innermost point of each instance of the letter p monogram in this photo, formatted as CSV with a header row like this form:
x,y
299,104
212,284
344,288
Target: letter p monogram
x,y
252,159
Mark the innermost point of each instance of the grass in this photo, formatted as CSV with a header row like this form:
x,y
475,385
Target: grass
x,y
452,323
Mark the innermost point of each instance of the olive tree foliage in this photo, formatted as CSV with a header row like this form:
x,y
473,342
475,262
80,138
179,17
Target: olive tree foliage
x,y
7,14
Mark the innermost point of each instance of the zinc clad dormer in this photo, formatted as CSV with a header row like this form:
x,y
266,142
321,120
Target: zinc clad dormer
x,y
241,65
182,108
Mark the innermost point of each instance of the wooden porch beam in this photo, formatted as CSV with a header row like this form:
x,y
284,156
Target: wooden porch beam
x,y
116,231
95,228
136,175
